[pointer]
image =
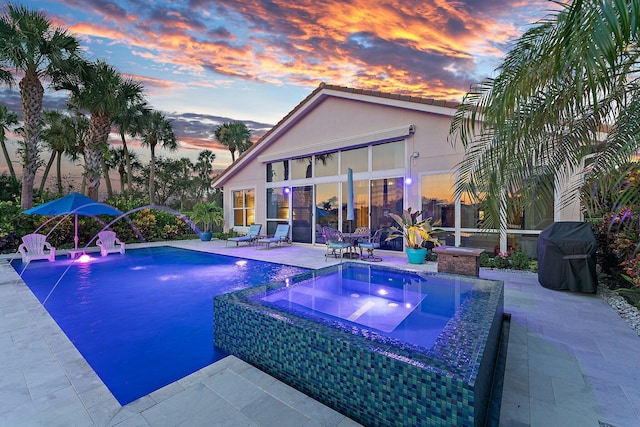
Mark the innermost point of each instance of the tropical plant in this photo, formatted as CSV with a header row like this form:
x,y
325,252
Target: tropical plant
x,y
129,120
7,119
30,44
100,89
540,120
155,130
234,136
59,135
207,215
414,231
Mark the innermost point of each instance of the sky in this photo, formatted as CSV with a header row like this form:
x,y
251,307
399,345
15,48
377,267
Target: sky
x,y
205,62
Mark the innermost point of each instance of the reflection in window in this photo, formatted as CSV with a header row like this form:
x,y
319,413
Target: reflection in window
x,y
326,164
438,202
360,206
244,213
278,203
278,171
387,156
327,206
387,196
357,159
301,168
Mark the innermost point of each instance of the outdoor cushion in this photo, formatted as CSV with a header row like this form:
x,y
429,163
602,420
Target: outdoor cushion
x,y
251,236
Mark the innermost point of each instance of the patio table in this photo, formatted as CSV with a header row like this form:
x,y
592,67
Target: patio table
x,y
352,239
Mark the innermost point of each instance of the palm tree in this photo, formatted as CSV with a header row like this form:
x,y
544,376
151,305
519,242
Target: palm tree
x,y
59,138
536,123
157,130
235,136
204,169
7,118
31,45
129,119
97,88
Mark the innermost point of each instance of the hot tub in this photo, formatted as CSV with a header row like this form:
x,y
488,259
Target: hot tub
x,y
380,345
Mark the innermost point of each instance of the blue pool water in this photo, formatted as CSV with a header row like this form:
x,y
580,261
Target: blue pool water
x,y
144,319
405,306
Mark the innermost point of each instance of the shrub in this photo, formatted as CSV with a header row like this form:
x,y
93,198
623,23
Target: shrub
x,y
519,260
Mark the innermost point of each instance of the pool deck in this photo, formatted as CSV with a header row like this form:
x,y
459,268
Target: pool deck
x,y
571,361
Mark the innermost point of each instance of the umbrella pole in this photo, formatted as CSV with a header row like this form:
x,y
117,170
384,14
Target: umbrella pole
x,y
75,236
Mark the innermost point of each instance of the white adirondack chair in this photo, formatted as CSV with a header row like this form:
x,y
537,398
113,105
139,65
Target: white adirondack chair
x,y
34,246
109,243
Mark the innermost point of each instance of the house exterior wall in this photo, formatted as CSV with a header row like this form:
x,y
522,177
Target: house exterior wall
x,y
331,121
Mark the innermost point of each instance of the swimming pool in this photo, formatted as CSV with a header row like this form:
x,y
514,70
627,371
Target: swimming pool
x,y
313,336
144,319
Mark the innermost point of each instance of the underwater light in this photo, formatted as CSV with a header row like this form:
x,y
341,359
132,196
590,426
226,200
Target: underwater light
x,y
383,292
241,263
84,258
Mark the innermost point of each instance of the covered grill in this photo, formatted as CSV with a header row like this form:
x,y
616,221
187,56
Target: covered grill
x,y
567,257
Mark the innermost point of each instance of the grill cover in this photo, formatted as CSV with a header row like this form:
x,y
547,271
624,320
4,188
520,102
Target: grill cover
x,y
567,257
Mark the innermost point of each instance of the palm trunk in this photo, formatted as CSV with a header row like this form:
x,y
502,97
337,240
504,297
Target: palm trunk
x,y
107,179
6,155
99,127
59,172
127,159
31,93
152,166
46,171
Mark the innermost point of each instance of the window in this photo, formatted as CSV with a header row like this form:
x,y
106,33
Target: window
x,y
244,213
357,159
326,164
278,171
301,168
278,203
437,199
387,156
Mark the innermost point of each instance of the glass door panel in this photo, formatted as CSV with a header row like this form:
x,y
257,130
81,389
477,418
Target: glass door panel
x,y
327,206
302,214
387,196
360,206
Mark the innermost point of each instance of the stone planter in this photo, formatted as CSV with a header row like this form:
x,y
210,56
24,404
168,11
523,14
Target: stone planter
x,y
416,256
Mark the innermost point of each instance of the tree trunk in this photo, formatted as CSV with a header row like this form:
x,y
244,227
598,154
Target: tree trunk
x,y
107,179
125,151
46,171
152,166
31,93
6,155
59,172
99,127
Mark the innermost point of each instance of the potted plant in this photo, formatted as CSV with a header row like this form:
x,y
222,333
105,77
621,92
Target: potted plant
x,y
415,233
205,215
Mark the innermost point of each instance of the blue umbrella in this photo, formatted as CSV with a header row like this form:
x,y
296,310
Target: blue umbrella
x,y
74,203
350,198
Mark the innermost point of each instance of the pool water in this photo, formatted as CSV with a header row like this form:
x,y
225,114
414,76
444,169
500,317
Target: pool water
x,y
144,319
406,306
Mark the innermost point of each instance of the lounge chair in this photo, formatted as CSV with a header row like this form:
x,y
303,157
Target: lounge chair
x,y
109,243
34,246
335,243
252,235
370,245
281,235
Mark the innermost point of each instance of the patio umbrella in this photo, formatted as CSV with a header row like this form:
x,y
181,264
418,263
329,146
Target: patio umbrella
x,y
74,203
350,199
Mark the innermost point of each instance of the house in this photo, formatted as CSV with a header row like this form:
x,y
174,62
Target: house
x,y
398,150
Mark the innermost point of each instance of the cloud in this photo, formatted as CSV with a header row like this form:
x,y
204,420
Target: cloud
x,y
428,47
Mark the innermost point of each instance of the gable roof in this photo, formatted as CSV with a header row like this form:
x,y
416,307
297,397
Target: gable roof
x,y
318,95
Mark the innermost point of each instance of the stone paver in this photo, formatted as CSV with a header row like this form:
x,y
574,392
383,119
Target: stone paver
x,y
571,361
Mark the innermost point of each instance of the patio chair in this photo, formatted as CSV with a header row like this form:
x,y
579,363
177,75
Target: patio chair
x,y
34,246
335,243
109,243
252,235
370,245
281,235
